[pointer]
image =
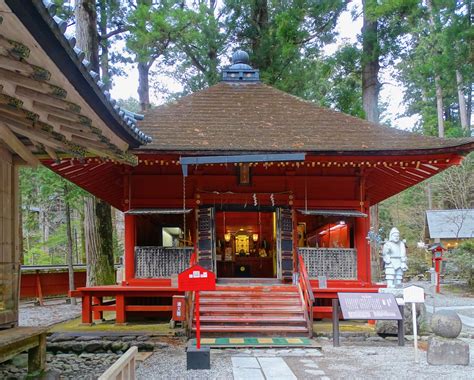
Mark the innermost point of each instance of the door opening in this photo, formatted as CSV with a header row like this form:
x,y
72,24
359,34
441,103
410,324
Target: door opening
x,y
246,244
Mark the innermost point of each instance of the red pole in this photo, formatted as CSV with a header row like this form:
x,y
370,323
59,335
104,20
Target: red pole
x,y
437,270
129,247
39,291
198,324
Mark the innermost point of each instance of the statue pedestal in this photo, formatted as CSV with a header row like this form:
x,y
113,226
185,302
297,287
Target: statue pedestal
x,y
397,292
446,351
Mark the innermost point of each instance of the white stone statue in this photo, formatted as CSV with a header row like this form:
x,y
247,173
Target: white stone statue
x,y
395,259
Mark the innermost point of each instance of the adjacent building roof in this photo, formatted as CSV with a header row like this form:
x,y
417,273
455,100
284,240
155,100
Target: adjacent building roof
x,y
242,116
50,100
450,224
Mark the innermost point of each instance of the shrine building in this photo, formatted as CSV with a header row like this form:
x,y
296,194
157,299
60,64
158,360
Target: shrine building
x,y
258,183
267,190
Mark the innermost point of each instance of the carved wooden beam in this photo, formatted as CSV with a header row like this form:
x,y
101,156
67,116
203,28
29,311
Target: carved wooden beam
x,y
52,153
17,146
34,84
47,99
24,68
14,48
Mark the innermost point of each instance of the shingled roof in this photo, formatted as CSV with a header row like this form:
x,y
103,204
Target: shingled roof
x,y
253,117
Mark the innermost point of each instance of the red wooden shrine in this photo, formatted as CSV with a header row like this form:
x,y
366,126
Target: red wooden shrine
x,y
251,179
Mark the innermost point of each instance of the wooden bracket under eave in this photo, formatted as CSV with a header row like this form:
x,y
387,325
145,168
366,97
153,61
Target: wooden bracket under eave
x,y
17,146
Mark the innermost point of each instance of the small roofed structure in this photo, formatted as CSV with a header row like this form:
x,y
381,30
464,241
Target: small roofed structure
x,y
449,226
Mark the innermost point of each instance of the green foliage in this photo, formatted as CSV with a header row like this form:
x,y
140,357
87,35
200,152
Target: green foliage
x,y
419,261
461,261
130,104
438,44
43,196
281,36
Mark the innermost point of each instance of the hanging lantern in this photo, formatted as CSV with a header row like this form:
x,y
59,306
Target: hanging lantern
x,y
254,237
227,237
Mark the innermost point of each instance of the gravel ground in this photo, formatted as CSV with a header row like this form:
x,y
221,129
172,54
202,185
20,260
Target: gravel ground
x,y
170,364
374,361
353,360
444,298
54,311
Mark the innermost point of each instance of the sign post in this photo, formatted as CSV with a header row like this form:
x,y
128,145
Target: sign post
x,y
198,323
414,294
195,279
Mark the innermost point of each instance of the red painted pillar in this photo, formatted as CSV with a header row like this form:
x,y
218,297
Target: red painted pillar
x,y
130,232
120,314
97,315
86,309
39,290
363,249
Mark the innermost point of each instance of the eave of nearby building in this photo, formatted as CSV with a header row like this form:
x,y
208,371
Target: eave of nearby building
x,y
48,31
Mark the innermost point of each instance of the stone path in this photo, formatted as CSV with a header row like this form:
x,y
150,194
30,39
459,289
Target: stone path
x,y
278,364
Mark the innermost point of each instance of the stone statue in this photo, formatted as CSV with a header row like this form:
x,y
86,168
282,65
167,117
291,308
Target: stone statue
x,y
395,259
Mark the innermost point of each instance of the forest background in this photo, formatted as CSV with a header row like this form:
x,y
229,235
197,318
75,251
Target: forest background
x,y
426,44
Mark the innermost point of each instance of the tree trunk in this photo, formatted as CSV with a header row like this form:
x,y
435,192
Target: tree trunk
x,y
86,31
104,45
260,21
437,77
462,103
439,105
99,251
429,195
370,97
143,86
70,267
97,213
370,66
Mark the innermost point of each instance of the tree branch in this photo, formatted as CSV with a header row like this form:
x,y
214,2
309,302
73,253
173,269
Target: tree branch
x,y
119,30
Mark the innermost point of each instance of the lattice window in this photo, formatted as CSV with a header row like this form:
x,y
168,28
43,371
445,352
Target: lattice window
x,y
334,263
160,262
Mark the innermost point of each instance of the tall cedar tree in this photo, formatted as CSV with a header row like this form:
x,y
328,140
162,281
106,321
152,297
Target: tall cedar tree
x,y
97,213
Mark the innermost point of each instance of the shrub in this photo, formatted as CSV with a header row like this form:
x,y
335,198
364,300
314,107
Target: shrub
x,y
461,260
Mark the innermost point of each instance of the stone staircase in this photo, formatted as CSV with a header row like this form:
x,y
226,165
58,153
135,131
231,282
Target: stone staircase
x,y
252,311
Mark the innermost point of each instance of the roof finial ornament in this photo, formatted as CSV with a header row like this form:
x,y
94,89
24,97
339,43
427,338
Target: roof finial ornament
x,y
240,56
240,70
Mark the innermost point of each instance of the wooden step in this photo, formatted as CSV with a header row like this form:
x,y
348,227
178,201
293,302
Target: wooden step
x,y
250,301
251,319
249,288
219,294
278,329
246,310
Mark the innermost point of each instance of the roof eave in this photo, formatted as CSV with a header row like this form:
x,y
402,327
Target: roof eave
x,y
34,16
462,150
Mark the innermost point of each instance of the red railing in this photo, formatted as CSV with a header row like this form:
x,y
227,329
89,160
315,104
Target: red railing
x,y
306,293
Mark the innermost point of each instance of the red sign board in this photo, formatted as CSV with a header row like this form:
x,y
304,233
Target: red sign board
x,y
196,278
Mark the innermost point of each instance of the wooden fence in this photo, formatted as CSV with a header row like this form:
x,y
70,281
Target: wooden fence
x,y
123,368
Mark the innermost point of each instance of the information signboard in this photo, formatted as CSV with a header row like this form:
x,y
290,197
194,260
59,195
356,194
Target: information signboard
x,y
369,306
